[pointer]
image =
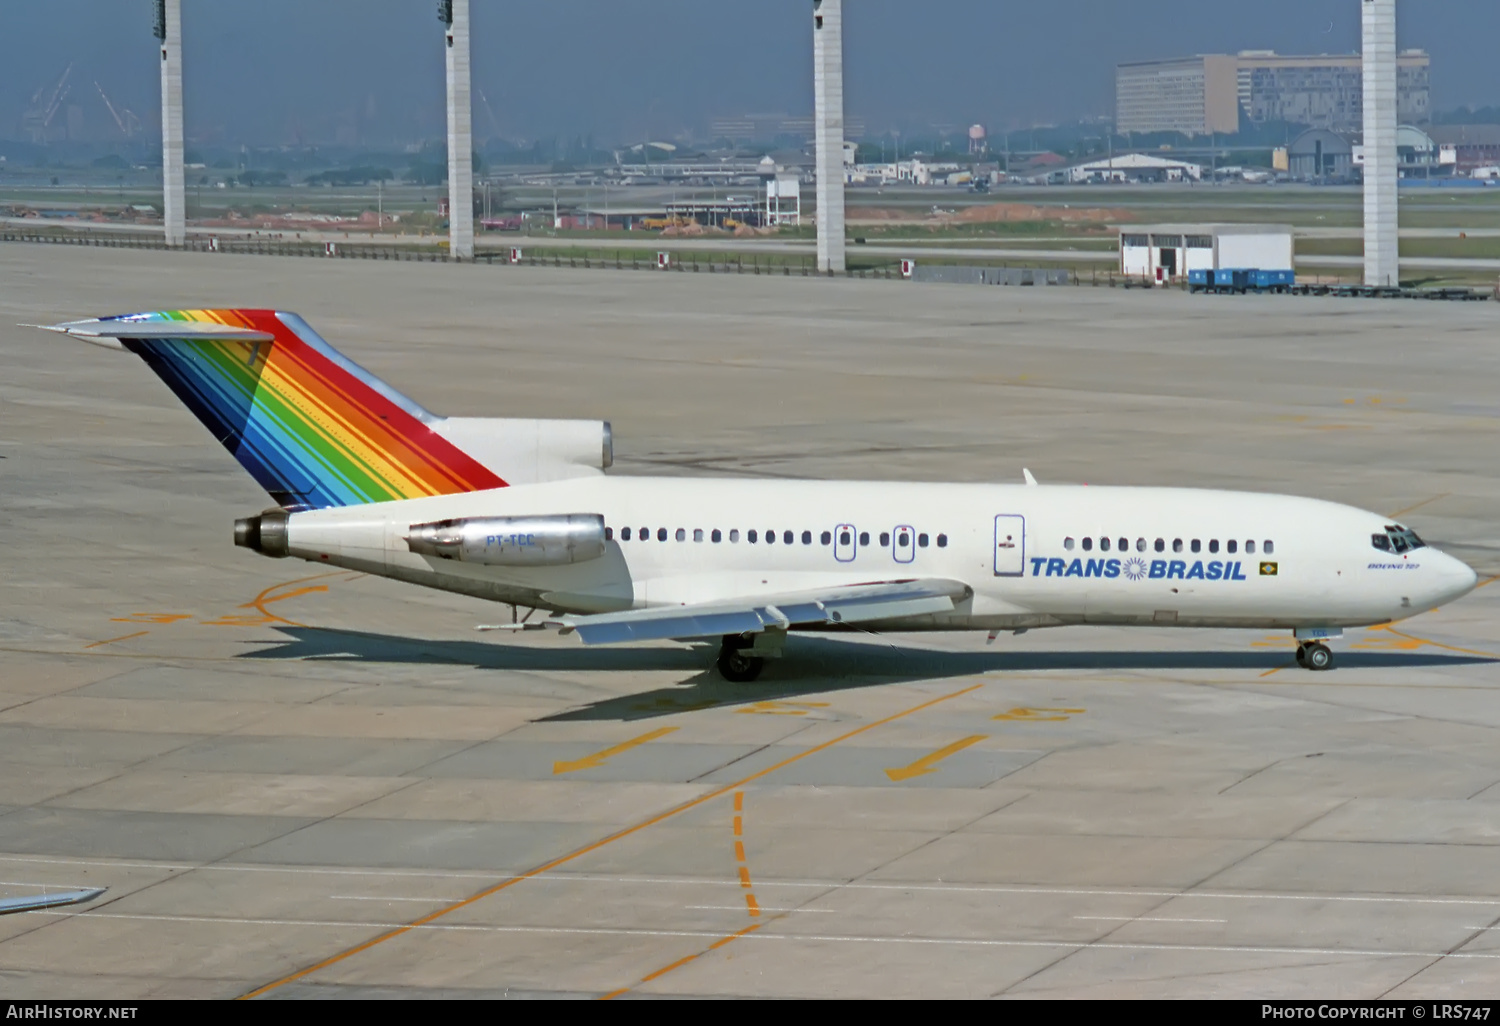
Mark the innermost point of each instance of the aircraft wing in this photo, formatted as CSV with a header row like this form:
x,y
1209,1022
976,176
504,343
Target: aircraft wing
x,y
858,603
31,903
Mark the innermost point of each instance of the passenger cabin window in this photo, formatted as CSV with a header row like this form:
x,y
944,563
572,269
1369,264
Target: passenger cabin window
x,y
1140,545
770,537
625,534
661,534
734,535
681,534
609,534
717,536
806,537
697,534
845,537
1230,546
864,537
885,538
1124,544
1176,544
750,537
1213,546
1068,544
903,539
1197,545
942,541
1103,544
921,541
827,538
1269,548
787,537
1249,548
1161,545
1088,545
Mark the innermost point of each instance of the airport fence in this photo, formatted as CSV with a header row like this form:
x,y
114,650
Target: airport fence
x,y
559,257
695,262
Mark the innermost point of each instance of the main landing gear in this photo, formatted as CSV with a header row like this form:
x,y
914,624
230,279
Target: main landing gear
x,y
743,656
1314,655
734,664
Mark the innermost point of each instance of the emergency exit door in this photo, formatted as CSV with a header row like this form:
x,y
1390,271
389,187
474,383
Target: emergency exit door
x,y
1010,545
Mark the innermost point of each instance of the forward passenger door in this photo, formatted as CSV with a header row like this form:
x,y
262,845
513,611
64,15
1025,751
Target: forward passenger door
x,y
1010,545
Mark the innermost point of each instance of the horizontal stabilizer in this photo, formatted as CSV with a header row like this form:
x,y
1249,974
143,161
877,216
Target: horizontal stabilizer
x,y
862,603
120,328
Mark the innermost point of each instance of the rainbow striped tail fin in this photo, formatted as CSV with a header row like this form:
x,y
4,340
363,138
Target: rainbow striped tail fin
x,y
311,426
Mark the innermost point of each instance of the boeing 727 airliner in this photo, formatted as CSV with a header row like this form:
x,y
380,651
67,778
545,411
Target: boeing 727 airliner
x,y
522,512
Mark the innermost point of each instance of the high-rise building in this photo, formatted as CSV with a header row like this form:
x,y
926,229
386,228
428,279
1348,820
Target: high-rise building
x,y
1326,91
1193,95
1216,92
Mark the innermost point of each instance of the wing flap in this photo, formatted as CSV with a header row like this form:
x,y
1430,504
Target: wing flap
x,y
886,600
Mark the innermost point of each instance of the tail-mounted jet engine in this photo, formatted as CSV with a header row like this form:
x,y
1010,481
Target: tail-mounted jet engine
x,y
265,534
512,541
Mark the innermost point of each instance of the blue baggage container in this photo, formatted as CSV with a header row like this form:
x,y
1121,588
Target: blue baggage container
x,y
1272,281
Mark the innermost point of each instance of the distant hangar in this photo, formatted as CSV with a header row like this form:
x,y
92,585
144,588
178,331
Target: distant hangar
x,y
1168,252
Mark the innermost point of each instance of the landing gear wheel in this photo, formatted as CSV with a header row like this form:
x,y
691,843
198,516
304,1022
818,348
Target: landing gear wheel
x,y
734,665
1302,656
1318,656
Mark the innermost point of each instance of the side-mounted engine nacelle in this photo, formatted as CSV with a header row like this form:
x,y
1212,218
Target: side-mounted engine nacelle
x,y
512,541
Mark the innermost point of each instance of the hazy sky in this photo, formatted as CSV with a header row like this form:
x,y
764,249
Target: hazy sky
x,y
270,70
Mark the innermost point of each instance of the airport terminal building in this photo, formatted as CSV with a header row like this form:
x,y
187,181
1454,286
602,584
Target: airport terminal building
x,y
1213,93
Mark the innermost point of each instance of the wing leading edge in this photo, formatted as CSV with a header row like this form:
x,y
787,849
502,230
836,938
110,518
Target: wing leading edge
x,y
861,603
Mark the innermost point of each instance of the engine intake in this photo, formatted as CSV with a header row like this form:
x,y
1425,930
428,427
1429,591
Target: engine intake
x,y
512,541
266,534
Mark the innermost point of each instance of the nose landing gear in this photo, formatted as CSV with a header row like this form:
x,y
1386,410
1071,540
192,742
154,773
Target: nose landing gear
x,y
1314,656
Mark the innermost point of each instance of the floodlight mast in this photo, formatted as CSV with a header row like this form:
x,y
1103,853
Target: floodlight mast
x,y
1378,68
454,14
828,129
168,31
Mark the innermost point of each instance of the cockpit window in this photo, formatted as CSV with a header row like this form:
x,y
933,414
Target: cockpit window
x,y
1396,538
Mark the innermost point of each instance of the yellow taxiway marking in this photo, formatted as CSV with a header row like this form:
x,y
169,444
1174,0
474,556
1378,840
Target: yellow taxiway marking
x,y
927,763
775,708
111,641
151,618
598,758
618,835
1424,502
1034,715
1412,641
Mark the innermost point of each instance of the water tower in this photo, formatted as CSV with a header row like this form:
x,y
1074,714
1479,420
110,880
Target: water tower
x,y
978,139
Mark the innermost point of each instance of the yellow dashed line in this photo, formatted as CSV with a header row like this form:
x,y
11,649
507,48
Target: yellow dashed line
x,y
111,641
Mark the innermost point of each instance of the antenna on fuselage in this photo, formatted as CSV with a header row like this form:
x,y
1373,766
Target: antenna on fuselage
x,y
1027,474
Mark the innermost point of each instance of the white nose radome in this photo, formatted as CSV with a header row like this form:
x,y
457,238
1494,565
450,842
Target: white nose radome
x,y
1454,578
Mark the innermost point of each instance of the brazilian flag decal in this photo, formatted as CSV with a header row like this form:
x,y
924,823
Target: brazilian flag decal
x,y
1268,569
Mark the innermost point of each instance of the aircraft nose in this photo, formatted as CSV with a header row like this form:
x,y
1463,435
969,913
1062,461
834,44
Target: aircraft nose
x,y
1455,578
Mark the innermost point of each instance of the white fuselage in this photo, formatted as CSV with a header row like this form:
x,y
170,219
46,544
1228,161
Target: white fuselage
x,y
1033,556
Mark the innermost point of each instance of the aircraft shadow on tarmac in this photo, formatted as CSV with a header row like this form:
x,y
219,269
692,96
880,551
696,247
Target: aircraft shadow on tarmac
x,y
812,665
